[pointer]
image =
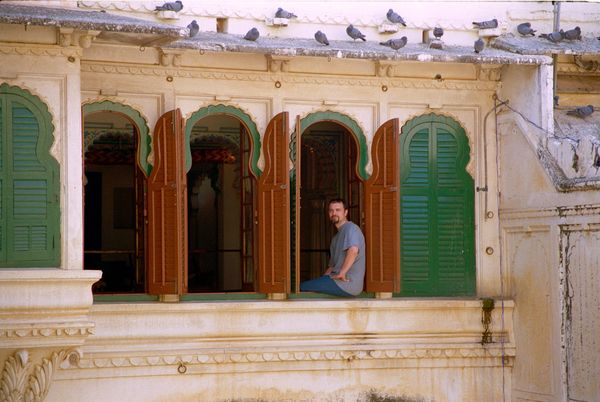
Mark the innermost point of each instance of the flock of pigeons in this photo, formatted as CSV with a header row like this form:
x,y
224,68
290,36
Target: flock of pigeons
x,y
523,29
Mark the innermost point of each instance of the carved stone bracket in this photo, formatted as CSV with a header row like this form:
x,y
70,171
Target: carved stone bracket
x,y
587,65
277,63
489,73
170,58
22,380
70,37
384,68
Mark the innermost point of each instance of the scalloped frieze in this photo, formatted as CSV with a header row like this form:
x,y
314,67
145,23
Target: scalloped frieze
x,y
221,357
47,332
405,83
29,50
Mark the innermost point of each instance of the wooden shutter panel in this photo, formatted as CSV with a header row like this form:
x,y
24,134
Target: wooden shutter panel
x,y
415,212
29,198
274,210
167,208
382,225
437,213
455,214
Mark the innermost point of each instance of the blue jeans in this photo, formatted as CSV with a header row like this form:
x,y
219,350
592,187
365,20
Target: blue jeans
x,y
325,285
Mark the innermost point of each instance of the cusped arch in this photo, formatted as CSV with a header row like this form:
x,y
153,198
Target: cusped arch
x,y
465,158
454,121
42,168
351,125
44,118
144,140
232,111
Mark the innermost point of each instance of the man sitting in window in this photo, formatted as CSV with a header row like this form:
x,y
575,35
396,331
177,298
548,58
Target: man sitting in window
x,y
346,271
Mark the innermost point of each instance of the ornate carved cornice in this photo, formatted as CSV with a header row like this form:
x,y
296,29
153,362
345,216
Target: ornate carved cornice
x,y
266,356
22,380
295,78
35,50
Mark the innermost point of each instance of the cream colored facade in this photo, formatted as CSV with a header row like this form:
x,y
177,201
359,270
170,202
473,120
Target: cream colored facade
x,y
537,241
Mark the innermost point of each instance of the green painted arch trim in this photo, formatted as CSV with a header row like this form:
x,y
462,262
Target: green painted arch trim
x,y
46,139
228,110
452,125
351,125
144,140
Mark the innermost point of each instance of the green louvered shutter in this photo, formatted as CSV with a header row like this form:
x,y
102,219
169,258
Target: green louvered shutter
x,y
29,211
436,206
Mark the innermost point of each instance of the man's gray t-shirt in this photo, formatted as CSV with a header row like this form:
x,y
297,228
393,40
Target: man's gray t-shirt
x,y
347,236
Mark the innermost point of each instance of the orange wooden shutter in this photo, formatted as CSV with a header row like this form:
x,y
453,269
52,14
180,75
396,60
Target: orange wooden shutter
x,y
382,216
298,180
274,210
167,208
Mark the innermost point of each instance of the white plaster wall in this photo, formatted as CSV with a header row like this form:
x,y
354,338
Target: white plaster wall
x,y
292,350
533,215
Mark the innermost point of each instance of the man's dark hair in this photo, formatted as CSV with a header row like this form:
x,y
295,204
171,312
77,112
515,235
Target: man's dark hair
x,y
337,201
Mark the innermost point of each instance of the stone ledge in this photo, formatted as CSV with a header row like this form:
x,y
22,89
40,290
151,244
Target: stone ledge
x,y
45,307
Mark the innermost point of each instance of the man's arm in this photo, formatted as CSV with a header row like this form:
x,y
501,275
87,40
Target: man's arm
x,y
351,254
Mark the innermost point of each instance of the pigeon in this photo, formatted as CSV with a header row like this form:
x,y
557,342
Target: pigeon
x,y
582,111
486,24
571,34
479,45
321,38
170,6
252,34
395,18
395,43
281,13
194,28
525,29
354,33
554,37
438,32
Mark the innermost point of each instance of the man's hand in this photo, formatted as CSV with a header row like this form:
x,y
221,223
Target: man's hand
x,y
340,276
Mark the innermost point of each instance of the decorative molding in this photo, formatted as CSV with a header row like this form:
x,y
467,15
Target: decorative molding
x,y
580,67
295,78
46,331
49,50
21,380
557,212
236,357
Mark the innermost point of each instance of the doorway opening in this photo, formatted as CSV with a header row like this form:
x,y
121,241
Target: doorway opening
x,y
221,200
114,203
329,170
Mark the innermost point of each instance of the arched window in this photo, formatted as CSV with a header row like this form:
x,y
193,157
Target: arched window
x,y
116,146
436,209
29,182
